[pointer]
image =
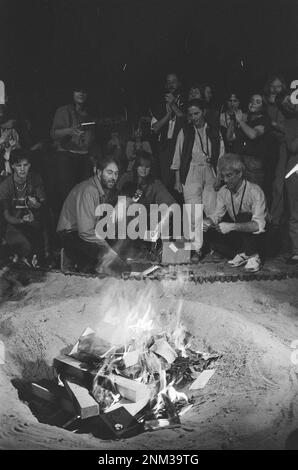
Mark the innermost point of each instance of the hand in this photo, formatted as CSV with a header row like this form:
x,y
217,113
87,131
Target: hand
x,y
207,224
33,203
4,135
105,265
170,98
28,218
239,116
12,142
178,187
76,131
225,227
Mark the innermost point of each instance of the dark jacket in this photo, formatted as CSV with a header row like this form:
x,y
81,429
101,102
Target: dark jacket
x,y
213,135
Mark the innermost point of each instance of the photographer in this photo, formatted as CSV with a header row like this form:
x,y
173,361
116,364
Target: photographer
x,y
22,198
73,134
229,109
167,120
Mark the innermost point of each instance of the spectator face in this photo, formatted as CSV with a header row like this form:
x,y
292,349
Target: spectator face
x,y
194,93
276,87
231,178
109,175
255,105
172,83
21,169
79,97
144,168
208,94
233,103
196,116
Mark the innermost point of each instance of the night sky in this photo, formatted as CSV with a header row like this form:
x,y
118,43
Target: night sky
x,y
46,45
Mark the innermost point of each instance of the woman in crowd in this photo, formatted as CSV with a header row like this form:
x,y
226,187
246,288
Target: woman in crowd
x,y
212,113
249,136
136,146
198,148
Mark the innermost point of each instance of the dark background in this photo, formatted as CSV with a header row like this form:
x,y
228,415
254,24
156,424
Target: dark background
x,y
47,45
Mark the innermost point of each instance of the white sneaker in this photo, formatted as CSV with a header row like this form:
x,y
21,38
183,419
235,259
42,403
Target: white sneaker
x,y
253,264
239,260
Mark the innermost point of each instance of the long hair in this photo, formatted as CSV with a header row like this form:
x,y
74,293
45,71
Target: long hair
x,y
271,80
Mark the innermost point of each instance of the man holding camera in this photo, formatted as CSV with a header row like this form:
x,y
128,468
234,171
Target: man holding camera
x,y
167,120
22,198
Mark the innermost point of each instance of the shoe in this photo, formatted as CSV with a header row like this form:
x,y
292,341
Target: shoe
x,y
239,260
253,264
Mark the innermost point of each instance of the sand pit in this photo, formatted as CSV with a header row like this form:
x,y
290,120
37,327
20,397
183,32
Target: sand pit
x,y
250,403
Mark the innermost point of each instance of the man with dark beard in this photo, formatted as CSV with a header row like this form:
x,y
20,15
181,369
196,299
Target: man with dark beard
x,y
77,223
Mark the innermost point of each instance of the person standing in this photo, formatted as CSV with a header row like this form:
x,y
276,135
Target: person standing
x,y
167,120
72,141
198,148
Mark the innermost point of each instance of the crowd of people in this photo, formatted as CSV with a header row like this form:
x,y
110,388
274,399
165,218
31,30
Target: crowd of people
x,y
232,159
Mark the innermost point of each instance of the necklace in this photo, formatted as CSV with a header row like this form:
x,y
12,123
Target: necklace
x,y
21,187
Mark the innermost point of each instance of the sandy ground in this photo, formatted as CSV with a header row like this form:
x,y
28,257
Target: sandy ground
x,y
250,403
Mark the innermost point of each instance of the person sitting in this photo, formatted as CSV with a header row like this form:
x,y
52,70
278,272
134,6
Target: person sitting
x,y
77,223
135,146
235,228
143,179
23,200
141,185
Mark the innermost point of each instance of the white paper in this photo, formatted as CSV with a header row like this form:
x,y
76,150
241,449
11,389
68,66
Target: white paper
x,y
293,170
150,270
131,358
87,332
173,247
202,380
